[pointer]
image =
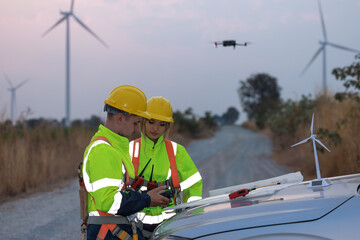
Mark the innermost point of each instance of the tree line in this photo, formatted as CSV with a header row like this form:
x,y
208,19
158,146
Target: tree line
x,y
261,99
186,122
337,121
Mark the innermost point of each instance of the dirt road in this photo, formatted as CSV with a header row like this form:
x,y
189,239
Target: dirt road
x,y
233,156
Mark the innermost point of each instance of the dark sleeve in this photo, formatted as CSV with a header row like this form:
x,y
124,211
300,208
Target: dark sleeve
x,y
133,202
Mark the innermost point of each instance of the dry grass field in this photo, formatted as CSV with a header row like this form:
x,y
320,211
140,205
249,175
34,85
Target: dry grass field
x,y
32,159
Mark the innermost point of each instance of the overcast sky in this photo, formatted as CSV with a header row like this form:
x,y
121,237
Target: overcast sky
x,y
164,48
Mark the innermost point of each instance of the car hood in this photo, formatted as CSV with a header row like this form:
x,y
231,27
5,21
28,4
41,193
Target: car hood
x,y
293,204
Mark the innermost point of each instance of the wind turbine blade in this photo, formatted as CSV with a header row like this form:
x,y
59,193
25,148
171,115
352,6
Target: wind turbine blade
x,y
57,23
318,141
8,80
20,84
301,142
72,5
343,48
322,21
88,29
312,124
312,59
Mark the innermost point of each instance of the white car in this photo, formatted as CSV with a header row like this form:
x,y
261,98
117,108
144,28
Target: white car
x,y
293,212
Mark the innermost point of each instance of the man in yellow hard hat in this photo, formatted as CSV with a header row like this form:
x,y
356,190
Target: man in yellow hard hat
x,y
107,169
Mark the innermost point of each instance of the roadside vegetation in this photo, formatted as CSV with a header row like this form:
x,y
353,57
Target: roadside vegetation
x,y
36,157
337,122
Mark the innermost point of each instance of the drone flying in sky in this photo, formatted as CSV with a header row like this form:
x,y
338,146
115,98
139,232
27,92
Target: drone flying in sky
x,y
230,43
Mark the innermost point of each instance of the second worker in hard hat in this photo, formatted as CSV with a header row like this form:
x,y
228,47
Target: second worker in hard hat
x,y
159,161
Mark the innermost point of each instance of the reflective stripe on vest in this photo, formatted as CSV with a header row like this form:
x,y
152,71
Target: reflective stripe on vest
x,y
89,186
148,219
136,144
190,181
136,154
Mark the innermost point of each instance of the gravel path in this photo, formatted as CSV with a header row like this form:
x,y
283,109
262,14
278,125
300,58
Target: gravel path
x,y
232,157
52,215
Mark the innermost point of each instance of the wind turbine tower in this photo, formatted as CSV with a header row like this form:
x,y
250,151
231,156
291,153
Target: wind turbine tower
x,y
13,89
66,16
323,45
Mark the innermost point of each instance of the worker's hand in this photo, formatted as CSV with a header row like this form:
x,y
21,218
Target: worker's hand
x,y
157,199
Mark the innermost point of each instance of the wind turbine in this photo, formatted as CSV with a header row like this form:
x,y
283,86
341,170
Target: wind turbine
x,y
323,45
319,182
13,89
66,16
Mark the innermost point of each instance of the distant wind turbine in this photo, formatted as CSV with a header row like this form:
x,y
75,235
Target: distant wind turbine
x,y
66,17
13,89
323,45
319,182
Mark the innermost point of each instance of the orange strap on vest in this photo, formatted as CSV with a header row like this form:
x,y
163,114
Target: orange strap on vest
x,y
115,230
105,227
170,152
100,138
173,168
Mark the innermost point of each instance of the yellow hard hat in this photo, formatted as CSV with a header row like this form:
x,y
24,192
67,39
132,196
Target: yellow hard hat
x,y
159,108
129,99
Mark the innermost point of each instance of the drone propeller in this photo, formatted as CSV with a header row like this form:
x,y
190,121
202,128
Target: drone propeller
x,y
243,44
216,43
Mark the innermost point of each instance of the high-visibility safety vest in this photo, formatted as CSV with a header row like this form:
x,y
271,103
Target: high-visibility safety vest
x,y
159,169
106,169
